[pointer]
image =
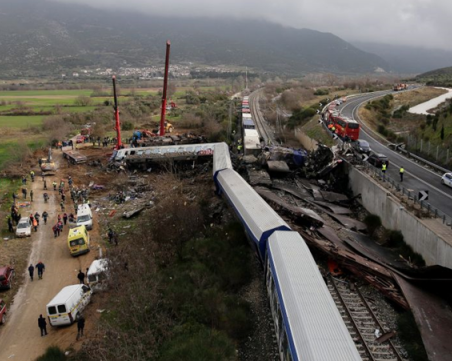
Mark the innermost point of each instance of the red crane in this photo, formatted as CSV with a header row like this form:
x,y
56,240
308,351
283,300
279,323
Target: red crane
x,y
118,124
165,86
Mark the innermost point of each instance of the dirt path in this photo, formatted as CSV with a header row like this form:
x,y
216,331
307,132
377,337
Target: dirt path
x,y
20,337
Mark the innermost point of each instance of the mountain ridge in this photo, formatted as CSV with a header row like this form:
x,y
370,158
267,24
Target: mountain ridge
x,y
51,37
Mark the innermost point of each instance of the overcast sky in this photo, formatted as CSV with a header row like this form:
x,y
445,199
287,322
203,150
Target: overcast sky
x,y
426,23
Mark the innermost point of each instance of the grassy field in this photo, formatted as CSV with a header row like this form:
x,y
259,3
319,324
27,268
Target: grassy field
x,y
20,121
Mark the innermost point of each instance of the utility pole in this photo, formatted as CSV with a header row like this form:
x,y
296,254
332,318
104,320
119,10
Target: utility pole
x,y
165,87
117,124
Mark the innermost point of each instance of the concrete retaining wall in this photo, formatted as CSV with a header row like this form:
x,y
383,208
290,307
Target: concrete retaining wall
x,y
436,249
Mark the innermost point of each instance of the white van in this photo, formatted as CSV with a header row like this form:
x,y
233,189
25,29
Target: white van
x,y
84,216
98,275
67,305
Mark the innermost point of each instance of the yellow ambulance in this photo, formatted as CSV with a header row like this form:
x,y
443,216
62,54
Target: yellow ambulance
x,y
78,240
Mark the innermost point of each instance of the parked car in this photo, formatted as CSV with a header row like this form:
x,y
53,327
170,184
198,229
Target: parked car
x,y
361,146
2,312
80,139
446,179
377,160
23,228
6,277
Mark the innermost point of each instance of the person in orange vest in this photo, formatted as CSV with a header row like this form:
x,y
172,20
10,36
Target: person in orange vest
x,y
35,224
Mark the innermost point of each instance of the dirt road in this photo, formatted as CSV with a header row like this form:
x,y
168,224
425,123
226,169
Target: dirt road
x,y
20,337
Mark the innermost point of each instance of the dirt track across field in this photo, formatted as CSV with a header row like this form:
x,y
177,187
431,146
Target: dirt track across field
x,y
20,337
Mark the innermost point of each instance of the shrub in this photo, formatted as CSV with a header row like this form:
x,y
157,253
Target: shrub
x,y
127,125
321,92
52,353
373,222
382,130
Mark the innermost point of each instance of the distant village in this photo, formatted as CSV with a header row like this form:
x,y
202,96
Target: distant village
x,y
148,73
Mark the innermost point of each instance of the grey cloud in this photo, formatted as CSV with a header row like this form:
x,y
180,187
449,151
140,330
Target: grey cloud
x,y
423,23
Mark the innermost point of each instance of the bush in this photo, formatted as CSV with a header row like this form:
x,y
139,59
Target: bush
x,y
127,125
321,92
52,353
382,130
373,222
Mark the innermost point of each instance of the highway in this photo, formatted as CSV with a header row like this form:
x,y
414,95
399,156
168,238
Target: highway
x,y
416,178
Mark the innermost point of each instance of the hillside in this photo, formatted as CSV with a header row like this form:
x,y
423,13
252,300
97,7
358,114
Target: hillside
x,y
408,59
439,77
44,37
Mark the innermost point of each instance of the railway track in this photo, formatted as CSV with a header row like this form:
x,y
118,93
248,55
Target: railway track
x,y
361,322
262,126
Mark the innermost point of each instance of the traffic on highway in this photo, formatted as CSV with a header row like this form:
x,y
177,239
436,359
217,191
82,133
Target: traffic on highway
x,y
417,178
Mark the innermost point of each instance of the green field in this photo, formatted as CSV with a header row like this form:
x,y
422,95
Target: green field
x,y
20,121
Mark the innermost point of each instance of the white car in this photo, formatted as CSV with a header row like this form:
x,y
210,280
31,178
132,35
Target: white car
x,y
447,179
24,227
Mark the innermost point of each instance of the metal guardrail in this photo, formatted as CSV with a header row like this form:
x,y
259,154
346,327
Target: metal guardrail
x,y
431,210
419,159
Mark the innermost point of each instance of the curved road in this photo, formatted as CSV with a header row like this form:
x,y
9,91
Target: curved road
x,y
416,177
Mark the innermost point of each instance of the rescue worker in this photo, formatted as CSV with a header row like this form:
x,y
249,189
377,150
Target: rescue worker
x,y
46,197
32,176
111,234
40,267
401,173
65,218
24,180
55,231
24,192
80,326
44,216
14,197
81,277
31,271
10,224
45,185
37,217
42,325
62,206
54,185
383,167
35,224
31,195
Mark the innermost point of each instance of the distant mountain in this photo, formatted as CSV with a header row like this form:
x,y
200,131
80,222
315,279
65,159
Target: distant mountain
x,y
38,36
439,77
407,59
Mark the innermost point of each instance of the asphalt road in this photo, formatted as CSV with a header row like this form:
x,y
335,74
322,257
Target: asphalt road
x,y
416,177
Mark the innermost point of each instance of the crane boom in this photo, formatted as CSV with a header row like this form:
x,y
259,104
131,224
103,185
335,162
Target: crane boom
x,y
117,124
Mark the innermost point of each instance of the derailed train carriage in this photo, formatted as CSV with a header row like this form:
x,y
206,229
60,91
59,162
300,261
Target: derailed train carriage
x,y
307,322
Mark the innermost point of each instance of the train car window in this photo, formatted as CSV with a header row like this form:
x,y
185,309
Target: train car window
x,y
353,125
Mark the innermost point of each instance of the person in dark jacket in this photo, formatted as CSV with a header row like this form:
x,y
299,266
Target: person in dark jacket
x,y
45,215
80,326
40,267
10,225
42,325
65,218
81,277
31,195
31,271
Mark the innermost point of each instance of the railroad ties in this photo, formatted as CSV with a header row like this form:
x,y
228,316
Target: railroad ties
x,y
362,322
